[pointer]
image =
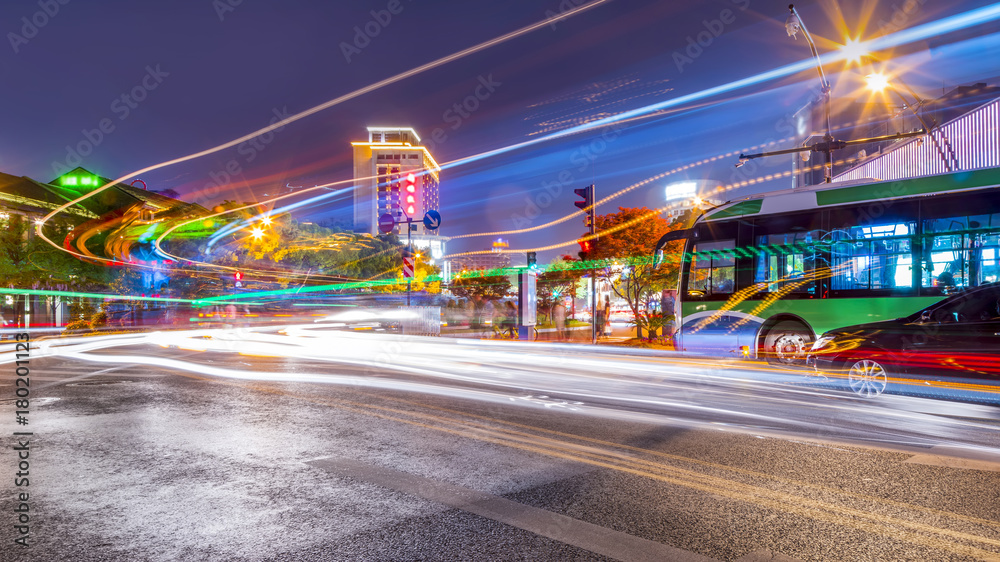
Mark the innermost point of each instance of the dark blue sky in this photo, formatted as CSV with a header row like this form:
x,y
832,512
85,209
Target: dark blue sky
x,y
207,75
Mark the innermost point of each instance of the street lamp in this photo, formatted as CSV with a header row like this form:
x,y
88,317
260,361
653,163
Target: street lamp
x,y
878,82
793,25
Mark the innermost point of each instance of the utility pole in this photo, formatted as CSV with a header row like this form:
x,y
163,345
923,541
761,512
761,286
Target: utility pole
x,y
829,144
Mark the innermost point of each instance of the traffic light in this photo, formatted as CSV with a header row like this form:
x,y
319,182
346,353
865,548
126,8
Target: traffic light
x,y
238,279
410,194
586,246
587,204
531,260
588,197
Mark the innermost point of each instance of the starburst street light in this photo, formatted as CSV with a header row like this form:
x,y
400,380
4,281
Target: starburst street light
x,y
257,233
854,48
266,220
877,82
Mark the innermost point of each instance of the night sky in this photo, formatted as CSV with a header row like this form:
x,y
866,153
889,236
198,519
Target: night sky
x,y
205,72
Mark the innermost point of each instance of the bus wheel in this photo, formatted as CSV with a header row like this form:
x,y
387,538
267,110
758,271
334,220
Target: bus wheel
x,y
787,344
867,378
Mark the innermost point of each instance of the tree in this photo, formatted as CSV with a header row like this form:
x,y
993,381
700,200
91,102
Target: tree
x,y
557,282
625,252
481,289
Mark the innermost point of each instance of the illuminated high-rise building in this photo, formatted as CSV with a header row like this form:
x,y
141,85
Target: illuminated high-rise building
x,y
394,175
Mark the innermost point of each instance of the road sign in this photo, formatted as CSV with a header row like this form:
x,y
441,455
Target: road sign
x,y
432,220
386,223
408,267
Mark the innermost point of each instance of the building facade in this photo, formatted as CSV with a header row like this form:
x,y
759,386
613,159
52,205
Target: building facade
x,y
494,259
968,142
961,121
394,175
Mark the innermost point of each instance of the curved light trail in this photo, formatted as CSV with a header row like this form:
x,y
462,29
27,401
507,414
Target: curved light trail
x,y
326,105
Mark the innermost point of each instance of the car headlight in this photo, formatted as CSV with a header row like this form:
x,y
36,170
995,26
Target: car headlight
x,y
822,342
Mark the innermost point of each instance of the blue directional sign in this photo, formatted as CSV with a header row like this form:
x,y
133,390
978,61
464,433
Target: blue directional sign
x,y
432,220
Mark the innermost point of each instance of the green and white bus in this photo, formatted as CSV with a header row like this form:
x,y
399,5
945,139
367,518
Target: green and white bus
x,y
764,276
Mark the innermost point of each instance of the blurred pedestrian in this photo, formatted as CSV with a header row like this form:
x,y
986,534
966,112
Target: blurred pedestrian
x,y
559,319
600,317
510,318
606,326
667,305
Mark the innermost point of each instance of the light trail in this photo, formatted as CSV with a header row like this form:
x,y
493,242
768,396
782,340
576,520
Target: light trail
x,y
326,105
961,21
641,218
602,380
592,384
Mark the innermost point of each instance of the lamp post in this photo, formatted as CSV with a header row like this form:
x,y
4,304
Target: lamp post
x,y
793,25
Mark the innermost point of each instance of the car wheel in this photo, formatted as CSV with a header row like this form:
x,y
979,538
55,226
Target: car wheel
x,y
867,378
787,344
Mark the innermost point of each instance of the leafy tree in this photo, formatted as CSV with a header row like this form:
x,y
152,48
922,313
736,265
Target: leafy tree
x,y
28,262
480,289
557,282
625,253
425,278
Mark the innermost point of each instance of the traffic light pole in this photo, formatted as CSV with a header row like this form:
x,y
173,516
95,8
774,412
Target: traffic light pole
x,y
409,251
588,204
593,272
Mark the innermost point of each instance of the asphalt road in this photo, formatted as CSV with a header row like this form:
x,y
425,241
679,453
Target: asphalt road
x,y
313,445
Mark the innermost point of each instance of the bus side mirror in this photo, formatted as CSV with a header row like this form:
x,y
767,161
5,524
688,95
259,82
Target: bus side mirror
x,y
925,317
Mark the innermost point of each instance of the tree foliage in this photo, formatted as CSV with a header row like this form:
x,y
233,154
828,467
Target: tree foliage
x,y
29,262
557,282
480,289
626,254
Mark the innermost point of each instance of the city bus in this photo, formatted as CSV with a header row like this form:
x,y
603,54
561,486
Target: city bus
x,y
763,277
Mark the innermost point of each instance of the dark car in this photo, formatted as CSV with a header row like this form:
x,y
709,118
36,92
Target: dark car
x,y
951,341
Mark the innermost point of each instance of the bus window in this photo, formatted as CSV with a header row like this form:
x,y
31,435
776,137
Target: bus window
x,y
872,257
960,252
784,261
713,271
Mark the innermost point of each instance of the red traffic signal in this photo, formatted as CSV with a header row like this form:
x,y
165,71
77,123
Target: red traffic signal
x,y
410,190
238,276
586,246
410,183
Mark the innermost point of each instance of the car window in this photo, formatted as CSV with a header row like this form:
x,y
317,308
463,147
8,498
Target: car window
x,y
971,307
